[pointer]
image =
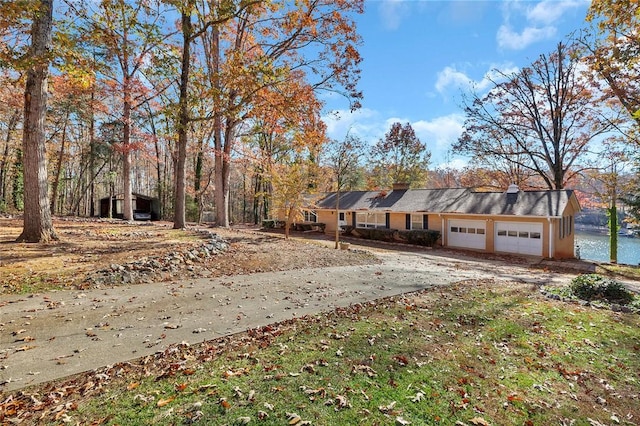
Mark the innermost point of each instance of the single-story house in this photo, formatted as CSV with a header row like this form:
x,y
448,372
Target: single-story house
x,y
538,223
144,207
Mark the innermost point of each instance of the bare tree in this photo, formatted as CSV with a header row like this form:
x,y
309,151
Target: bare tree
x,y
541,118
343,160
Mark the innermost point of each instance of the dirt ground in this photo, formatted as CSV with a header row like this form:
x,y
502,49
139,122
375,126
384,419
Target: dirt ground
x,y
86,246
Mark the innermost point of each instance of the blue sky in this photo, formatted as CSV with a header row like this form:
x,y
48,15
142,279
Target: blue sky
x,y
420,55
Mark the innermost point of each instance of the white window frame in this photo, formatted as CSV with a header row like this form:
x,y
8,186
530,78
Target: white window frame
x,y
417,221
371,220
310,216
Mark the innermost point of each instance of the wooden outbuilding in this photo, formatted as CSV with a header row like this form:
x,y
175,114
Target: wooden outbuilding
x,y
144,207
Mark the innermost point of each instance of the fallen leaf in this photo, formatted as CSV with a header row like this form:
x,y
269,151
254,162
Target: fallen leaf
x,y
479,421
417,397
385,409
132,386
25,348
163,402
342,403
293,418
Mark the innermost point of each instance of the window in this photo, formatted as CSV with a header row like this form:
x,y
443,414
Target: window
x,y
512,233
454,229
535,235
502,233
341,216
417,221
523,234
371,220
310,216
480,231
565,227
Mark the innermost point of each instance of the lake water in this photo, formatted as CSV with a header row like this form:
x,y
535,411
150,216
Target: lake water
x,y
596,247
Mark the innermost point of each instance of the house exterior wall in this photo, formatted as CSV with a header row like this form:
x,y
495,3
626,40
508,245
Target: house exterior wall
x,y
325,216
555,244
398,221
564,234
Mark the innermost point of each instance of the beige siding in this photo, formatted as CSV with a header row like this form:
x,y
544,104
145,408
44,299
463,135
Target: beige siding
x,y
398,221
561,247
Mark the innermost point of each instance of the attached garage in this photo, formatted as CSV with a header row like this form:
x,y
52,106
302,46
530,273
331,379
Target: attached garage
x,y
519,237
467,234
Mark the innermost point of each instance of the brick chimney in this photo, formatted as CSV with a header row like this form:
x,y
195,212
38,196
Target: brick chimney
x,y
400,186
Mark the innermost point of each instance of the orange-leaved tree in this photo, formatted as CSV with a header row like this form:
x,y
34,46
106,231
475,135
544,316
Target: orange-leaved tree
x,y
259,49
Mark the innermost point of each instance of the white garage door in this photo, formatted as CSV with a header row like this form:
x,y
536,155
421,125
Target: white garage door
x,y
467,234
519,237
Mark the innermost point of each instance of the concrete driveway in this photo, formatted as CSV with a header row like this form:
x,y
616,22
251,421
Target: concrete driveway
x,y
57,334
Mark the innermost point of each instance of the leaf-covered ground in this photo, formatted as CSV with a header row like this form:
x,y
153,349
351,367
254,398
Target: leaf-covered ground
x,y
88,246
476,353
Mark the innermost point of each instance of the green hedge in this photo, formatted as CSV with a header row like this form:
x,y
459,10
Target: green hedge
x,y
375,234
427,238
273,224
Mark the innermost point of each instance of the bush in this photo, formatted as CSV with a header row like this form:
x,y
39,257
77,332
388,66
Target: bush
x,y
375,234
427,238
273,224
597,287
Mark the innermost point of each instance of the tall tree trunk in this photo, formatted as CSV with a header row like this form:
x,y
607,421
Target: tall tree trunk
x,y
613,230
220,197
127,211
197,179
223,172
38,226
4,162
17,189
92,156
179,212
158,162
337,234
58,171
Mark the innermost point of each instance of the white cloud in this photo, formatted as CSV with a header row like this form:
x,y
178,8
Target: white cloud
x,y
441,132
526,23
509,39
548,12
456,164
363,123
438,134
452,79
392,12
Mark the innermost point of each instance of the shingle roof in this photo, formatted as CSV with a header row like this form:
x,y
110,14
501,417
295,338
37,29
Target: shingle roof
x,y
453,200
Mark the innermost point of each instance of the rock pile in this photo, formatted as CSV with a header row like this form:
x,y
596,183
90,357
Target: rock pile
x,y
151,269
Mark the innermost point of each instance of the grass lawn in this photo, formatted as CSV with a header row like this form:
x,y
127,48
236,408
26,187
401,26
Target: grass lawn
x,y
477,353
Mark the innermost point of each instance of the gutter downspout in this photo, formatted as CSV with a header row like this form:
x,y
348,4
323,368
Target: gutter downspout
x,y
551,233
